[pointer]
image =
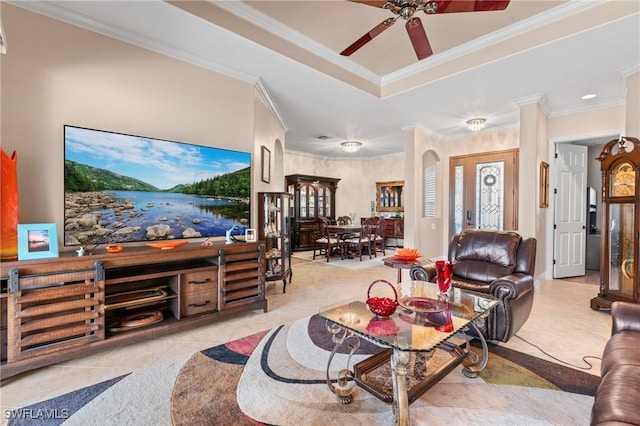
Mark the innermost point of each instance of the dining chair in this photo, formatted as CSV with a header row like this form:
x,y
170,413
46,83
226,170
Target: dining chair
x,y
324,243
378,243
363,240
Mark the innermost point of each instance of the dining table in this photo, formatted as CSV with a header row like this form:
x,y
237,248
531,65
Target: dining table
x,y
342,232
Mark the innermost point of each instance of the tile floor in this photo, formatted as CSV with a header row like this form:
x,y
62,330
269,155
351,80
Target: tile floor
x,y
561,323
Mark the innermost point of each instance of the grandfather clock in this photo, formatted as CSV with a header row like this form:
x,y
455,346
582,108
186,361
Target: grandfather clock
x,y
620,165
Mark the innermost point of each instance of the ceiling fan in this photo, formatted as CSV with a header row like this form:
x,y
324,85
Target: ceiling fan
x,y
405,9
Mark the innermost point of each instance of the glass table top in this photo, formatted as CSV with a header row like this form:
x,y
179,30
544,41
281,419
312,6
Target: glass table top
x,y
420,323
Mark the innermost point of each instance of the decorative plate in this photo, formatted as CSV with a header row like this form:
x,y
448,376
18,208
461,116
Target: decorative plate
x,y
134,297
408,253
166,245
423,304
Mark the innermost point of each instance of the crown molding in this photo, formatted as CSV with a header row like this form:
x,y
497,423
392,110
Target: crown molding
x,y
254,17
55,11
266,97
536,98
630,69
586,108
503,34
423,129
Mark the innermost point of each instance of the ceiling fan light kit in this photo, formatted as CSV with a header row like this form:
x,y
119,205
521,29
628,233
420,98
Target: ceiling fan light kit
x,y
476,124
351,146
405,9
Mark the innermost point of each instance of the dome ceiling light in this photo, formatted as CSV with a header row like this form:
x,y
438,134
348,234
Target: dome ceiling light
x,y
476,124
351,146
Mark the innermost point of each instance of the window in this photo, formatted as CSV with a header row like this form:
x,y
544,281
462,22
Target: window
x,y
430,184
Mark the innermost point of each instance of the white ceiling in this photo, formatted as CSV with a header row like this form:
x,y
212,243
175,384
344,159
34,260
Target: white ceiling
x,y
484,63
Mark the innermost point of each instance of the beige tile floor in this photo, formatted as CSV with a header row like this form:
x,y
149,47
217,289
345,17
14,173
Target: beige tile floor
x,y
561,323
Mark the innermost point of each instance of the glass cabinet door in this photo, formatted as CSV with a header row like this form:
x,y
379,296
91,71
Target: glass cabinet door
x,y
621,249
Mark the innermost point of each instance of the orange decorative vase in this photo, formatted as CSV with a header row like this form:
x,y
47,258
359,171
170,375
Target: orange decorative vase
x,y
9,203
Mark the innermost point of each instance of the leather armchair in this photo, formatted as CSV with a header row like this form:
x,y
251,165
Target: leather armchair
x,y
492,262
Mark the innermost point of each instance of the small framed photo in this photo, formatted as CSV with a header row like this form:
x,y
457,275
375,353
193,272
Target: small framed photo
x,y
544,185
266,164
250,235
37,241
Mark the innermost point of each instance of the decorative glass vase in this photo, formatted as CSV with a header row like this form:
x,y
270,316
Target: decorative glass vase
x,y
9,202
444,271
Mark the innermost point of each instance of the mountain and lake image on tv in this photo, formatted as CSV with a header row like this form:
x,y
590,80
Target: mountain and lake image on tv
x,y
122,188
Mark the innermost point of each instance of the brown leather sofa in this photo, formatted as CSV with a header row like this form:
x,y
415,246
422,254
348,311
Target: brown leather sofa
x,y
493,262
618,396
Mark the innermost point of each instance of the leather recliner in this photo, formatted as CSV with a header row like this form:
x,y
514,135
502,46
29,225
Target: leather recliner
x,y
498,263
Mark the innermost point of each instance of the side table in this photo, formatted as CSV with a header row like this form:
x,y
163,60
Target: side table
x,y
400,263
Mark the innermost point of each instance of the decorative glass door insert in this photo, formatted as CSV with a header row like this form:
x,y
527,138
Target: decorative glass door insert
x,y
483,194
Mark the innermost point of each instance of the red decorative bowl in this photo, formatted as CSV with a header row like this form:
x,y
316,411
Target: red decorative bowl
x,y
382,306
408,253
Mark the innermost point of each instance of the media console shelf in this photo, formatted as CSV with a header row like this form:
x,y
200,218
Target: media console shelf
x,y
53,310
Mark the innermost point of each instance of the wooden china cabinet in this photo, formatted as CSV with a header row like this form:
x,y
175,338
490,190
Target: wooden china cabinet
x,y
620,165
313,197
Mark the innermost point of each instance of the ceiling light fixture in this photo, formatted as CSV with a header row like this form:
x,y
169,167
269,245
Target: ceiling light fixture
x,y
351,146
476,124
589,96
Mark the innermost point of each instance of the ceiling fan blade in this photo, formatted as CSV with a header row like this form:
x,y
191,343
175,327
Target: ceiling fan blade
x,y
418,38
455,6
368,36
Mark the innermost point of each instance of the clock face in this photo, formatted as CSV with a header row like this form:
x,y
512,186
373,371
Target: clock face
x,y
623,181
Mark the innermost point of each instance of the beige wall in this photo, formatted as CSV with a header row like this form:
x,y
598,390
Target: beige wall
x,y
587,124
56,74
429,236
267,133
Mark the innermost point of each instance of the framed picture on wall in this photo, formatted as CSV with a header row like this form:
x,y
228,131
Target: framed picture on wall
x,y
544,185
37,241
266,164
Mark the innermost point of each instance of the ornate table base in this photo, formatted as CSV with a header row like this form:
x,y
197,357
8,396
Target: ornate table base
x,y
404,391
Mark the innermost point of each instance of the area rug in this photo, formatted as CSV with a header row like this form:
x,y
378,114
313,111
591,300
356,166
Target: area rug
x,y
278,377
354,264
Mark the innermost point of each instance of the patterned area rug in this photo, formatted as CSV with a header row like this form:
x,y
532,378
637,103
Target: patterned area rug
x,y
278,377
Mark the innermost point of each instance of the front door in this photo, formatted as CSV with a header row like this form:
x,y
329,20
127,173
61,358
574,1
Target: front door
x,y
483,191
570,226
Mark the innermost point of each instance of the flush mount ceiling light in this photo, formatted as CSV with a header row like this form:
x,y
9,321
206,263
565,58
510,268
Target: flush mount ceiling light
x,y
476,124
351,146
589,96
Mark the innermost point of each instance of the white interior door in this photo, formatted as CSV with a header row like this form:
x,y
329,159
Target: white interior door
x,y
570,227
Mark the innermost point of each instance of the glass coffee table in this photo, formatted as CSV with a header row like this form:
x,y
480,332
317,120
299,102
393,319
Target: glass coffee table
x,y
421,330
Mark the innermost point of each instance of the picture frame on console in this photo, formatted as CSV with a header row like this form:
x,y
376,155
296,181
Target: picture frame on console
x,y
250,235
266,164
37,241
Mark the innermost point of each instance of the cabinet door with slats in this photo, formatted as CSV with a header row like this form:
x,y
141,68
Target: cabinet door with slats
x,y
50,312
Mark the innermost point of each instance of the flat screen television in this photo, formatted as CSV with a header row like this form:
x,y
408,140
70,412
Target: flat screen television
x,y
121,188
